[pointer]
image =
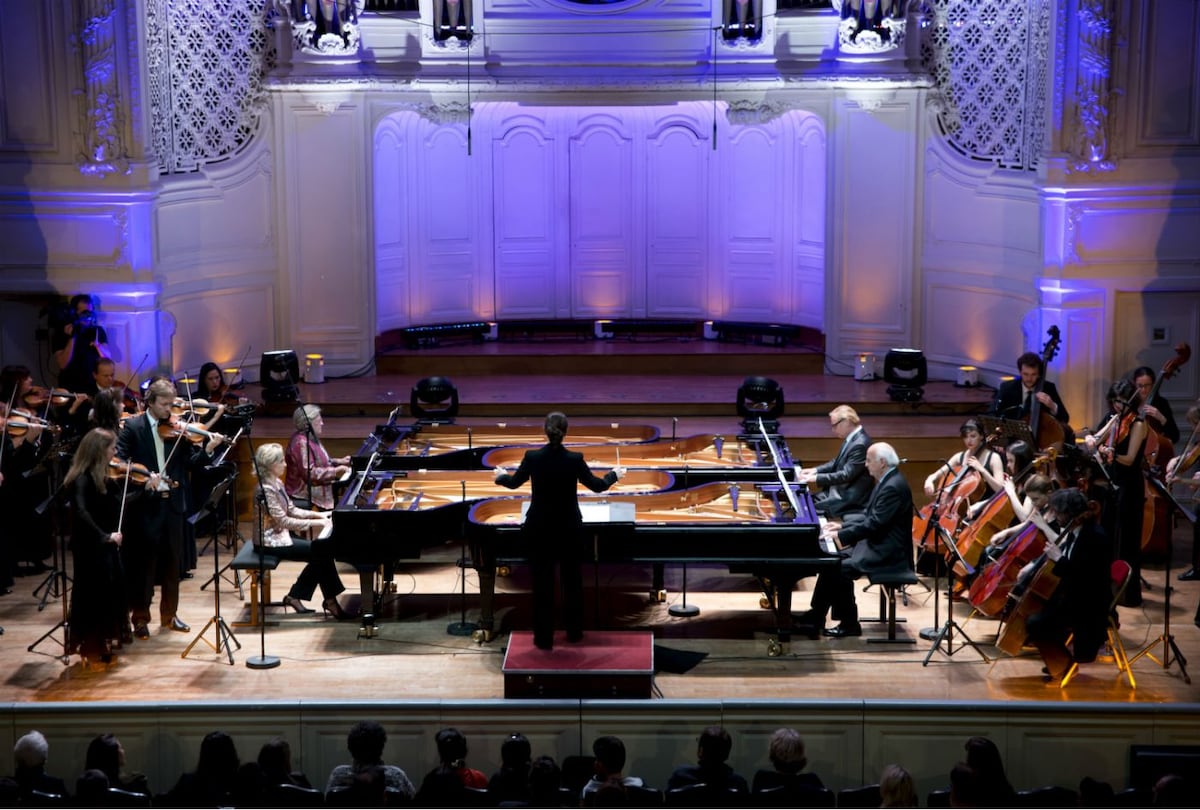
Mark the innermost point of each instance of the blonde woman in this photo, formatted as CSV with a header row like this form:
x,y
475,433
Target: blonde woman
x,y
282,517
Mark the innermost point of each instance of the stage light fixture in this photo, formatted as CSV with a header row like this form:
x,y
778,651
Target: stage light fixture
x,y
864,367
278,372
905,371
968,377
314,369
760,398
434,401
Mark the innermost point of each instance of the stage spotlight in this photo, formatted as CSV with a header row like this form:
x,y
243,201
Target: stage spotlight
x,y
434,401
760,398
278,373
905,371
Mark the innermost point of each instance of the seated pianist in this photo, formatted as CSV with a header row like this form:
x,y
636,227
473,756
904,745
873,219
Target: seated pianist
x,y
880,541
844,479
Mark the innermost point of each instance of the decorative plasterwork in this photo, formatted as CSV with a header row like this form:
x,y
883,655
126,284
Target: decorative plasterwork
x,y
1089,145
102,127
323,27
748,112
448,112
871,27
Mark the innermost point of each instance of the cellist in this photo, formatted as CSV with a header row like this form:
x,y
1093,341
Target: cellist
x,y
976,455
1037,491
1157,412
1081,560
1118,448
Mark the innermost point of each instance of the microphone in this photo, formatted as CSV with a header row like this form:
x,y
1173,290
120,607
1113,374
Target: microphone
x,y
902,461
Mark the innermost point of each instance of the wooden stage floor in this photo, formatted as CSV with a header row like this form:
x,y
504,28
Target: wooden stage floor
x,y
721,654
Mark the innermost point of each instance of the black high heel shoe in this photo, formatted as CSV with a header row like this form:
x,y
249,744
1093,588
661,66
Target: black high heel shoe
x,y
295,604
332,607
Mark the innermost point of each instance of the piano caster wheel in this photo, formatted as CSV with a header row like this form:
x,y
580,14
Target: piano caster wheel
x,y
774,647
766,603
482,636
659,595
503,571
390,586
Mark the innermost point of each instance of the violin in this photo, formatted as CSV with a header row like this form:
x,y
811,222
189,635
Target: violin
x,y
20,422
38,396
187,430
138,473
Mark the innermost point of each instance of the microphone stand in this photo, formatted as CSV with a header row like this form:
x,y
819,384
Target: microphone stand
x,y
947,632
462,627
221,630
262,660
931,633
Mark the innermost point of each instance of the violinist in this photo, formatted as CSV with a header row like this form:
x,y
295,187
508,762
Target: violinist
x,y
1081,559
1014,398
98,614
78,341
18,453
26,483
310,470
107,409
1118,449
1157,412
844,478
976,455
1186,467
155,532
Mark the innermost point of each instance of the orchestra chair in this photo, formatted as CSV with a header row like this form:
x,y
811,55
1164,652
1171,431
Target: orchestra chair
x,y
794,796
1133,797
889,582
1120,573
1049,796
116,797
349,797
575,770
247,563
704,795
859,797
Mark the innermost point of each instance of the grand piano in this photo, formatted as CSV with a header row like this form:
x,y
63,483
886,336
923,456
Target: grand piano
x,y
461,447
770,530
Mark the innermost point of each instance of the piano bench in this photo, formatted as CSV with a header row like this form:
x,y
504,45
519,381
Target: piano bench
x,y
252,564
889,582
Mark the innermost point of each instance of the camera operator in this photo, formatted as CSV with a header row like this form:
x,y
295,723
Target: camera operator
x,y
78,343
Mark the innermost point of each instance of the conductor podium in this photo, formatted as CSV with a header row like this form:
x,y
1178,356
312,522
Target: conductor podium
x,y
605,664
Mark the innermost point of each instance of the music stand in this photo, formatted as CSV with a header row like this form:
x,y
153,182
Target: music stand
x,y
262,660
947,632
931,633
1166,639
1010,430
57,580
221,630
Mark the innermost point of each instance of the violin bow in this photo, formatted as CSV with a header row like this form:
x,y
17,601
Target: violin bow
x,y
7,415
124,495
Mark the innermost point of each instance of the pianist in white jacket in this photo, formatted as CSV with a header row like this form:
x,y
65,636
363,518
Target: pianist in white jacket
x,y
280,518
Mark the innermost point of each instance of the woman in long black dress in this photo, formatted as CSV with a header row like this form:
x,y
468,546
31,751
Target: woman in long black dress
x,y
97,598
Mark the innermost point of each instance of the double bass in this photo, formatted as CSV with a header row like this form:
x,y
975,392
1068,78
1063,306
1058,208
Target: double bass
x,y
1046,430
1157,452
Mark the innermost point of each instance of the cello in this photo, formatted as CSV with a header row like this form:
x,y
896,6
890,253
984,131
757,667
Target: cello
x,y
1046,430
1031,593
958,485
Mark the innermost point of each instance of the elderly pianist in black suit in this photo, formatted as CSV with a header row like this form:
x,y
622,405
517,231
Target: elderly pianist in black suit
x,y
881,540
552,526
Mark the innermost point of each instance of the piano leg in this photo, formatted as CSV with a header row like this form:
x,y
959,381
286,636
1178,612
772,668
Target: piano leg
x,y
487,601
658,588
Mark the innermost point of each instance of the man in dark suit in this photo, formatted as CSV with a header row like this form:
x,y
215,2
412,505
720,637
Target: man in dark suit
x,y
844,479
881,540
552,526
155,523
1014,397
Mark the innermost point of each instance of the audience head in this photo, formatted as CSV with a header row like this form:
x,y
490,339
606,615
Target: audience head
x,y
556,426
610,755
545,778
31,751
451,746
714,746
218,756
983,757
91,788
275,760
366,741
370,787
966,787
1172,790
1094,793
786,751
105,754
896,788
516,752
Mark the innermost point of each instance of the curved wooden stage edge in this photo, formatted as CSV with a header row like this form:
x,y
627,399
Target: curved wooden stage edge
x,y
859,706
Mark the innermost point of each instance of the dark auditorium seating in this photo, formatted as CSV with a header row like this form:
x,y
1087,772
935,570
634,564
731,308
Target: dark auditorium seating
x,y
1133,797
116,797
576,770
794,796
293,796
703,795
865,796
643,797
37,798
938,798
1049,796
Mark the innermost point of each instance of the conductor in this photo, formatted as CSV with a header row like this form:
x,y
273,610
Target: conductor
x,y
552,527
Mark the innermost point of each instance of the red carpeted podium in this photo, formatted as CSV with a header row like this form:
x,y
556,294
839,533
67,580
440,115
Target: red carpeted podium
x,y
604,664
